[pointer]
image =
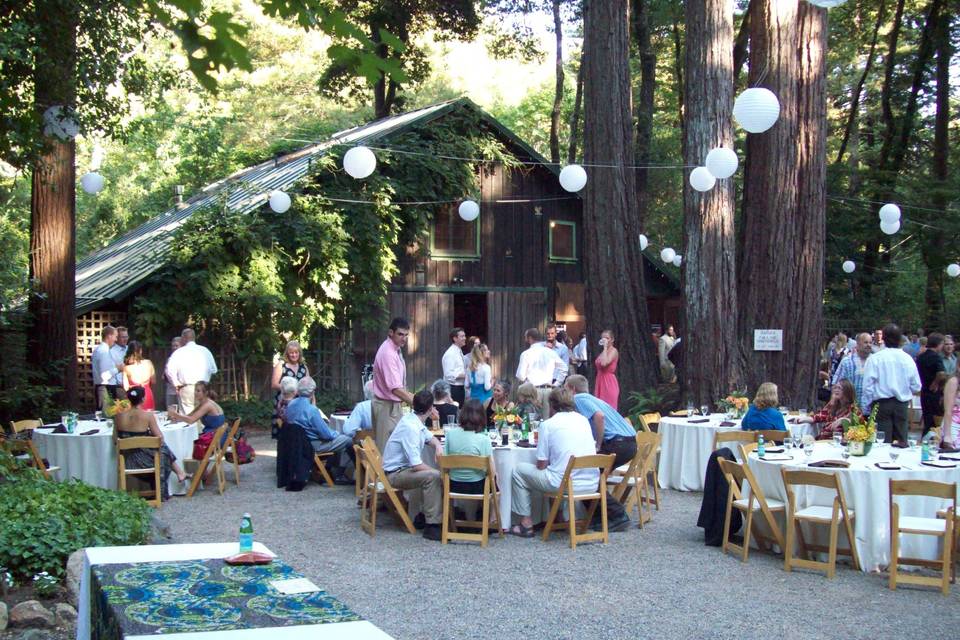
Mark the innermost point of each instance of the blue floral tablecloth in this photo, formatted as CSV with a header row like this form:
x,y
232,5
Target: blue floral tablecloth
x,y
155,598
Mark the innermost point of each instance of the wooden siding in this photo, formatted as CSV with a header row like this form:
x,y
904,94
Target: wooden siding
x,y
431,318
509,315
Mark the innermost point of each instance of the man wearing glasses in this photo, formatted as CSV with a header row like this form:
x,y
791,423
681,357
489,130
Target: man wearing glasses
x,y
390,382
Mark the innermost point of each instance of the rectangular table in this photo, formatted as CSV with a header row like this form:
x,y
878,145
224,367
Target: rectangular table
x,y
193,585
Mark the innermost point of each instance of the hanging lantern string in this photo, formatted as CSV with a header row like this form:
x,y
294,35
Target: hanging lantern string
x,y
865,203
513,200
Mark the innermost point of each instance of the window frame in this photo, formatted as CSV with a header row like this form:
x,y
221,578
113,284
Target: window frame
x,y
562,259
446,254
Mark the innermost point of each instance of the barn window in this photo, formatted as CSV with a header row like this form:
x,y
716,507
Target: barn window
x,y
453,237
563,241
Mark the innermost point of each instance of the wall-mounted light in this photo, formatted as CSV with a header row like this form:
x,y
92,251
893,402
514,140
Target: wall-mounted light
x,y
538,211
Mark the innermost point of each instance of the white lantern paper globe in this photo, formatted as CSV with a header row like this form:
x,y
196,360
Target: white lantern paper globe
x,y
890,213
92,182
58,123
890,228
359,162
701,179
573,178
644,243
469,210
849,266
677,260
756,109
722,162
953,270
279,201
668,254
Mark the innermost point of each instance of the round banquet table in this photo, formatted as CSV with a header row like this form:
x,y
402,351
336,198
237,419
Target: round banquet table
x,y
93,458
867,491
337,421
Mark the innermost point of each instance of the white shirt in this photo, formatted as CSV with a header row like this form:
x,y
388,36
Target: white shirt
x,y
104,365
360,418
483,375
190,364
118,353
580,351
453,370
889,373
405,444
665,345
538,365
563,435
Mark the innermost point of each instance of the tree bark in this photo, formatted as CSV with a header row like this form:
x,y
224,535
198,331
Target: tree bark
x,y
678,66
645,102
52,339
740,45
780,278
558,90
616,296
709,268
575,116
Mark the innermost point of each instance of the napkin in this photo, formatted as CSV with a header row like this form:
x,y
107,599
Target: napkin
x,y
294,586
701,420
943,457
888,466
777,457
59,429
727,423
940,464
843,464
90,432
773,449
526,444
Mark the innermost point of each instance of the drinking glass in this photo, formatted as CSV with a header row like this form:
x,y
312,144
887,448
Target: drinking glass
x,y
912,442
837,437
881,437
494,436
802,412
704,410
788,443
783,411
451,420
690,410
531,420
98,415
844,453
894,453
808,451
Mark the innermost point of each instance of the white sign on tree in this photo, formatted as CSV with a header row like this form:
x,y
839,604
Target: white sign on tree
x,y
768,339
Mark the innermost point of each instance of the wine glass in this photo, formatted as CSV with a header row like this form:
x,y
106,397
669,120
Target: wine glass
x,y
98,415
881,437
912,442
808,451
894,453
788,442
691,411
837,437
704,410
844,453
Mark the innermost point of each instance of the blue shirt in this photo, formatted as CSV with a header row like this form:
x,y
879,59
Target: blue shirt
x,y
613,423
763,419
103,362
300,412
360,418
851,368
405,444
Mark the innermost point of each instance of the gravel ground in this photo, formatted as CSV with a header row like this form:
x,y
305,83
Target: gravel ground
x,y
661,582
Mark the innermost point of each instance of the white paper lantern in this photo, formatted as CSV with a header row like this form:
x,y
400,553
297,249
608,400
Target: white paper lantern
x,y
849,266
890,228
644,243
667,255
92,182
279,201
701,179
469,210
826,4
359,162
722,162
573,178
890,213
756,109
953,270
58,123
677,260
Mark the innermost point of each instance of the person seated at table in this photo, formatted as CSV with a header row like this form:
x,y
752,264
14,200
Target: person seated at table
x,y
444,405
303,413
469,440
361,418
405,468
136,423
207,412
842,403
763,413
288,391
566,433
528,401
499,401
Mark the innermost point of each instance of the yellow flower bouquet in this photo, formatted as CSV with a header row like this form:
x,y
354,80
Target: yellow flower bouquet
x,y
735,404
116,406
859,432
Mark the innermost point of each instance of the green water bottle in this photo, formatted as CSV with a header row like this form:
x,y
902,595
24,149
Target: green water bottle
x,y
525,433
246,534
761,447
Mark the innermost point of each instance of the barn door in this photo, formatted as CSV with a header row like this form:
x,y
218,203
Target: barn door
x,y
431,318
510,313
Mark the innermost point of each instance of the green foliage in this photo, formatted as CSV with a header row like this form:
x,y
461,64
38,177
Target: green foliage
x,y
330,400
252,411
652,400
23,392
42,522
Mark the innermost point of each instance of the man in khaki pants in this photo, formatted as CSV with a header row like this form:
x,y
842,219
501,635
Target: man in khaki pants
x,y
405,468
389,382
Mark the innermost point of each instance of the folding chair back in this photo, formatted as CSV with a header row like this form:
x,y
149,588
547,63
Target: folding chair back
x,y
212,456
738,435
19,426
489,499
140,442
649,420
772,435
650,464
358,439
739,475
375,483
597,497
926,526
230,446
632,488
27,450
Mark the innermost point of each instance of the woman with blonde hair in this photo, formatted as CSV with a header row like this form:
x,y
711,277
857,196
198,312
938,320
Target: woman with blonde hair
x,y
291,365
763,413
479,375
528,400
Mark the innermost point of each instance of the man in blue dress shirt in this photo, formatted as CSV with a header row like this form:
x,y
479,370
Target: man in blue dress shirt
x,y
304,414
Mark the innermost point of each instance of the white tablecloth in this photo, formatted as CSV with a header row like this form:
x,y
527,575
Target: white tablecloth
x,y
93,458
176,552
867,491
685,448
337,420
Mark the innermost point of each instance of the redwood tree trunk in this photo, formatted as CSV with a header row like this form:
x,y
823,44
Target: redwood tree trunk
x,y
780,278
615,295
710,293
52,340
648,83
575,115
558,90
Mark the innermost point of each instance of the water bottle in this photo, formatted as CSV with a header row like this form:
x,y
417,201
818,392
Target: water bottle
x,y
761,448
525,432
246,534
926,453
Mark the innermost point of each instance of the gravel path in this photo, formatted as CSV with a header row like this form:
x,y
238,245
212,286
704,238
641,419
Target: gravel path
x,y
661,582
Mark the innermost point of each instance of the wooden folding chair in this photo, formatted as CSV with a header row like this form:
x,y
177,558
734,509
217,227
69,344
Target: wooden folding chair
x,y
214,452
489,498
739,475
817,515
141,442
375,483
956,540
26,451
772,435
746,449
318,462
650,465
924,526
358,439
19,426
230,447
598,497
649,420
720,438
632,487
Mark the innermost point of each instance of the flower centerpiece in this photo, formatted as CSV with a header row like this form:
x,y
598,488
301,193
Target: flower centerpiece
x,y
735,405
113,407
506,418
859,432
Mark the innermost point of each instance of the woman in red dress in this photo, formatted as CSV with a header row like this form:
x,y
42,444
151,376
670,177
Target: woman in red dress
x,y
138,372
606,387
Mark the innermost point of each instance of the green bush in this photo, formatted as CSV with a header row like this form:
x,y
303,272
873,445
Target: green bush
x,y
330,400
42,522
252,412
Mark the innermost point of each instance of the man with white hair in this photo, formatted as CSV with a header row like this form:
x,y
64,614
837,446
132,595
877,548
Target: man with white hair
x,y
362,415
305,415
187,366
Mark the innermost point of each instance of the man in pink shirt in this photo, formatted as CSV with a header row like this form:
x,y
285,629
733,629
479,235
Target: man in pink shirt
x,y
390,382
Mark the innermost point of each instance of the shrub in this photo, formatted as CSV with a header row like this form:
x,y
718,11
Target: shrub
x,y
252,412
330,400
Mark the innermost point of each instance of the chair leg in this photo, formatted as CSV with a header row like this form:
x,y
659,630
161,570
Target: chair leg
x,y
855,555
236,465
656,490
572,519
447,516
947,563
603,516
832,555
726,524
554,508
894,558
788,545
745,550
322,468
485,520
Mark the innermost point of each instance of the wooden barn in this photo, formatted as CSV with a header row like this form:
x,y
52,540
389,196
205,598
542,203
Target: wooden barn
x,y
519,265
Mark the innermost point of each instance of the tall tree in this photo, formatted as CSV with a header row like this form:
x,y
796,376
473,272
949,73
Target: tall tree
x,y
642,28
710,287
781,249
558,85
616,297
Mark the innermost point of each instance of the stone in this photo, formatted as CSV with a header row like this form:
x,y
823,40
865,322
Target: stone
x,y
3,616
30,613
65,615
74,572
32,634
160,532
